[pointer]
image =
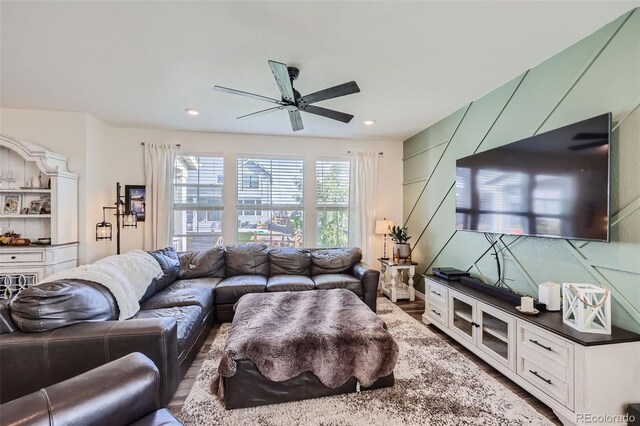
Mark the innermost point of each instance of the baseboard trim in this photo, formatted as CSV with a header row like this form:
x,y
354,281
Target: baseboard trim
x,y
420,295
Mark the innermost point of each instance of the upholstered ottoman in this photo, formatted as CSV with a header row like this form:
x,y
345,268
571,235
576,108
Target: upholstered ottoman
x,y
290,346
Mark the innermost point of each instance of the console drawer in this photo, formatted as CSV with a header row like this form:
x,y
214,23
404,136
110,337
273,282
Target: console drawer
x,y
438,293
559,388
551,351
437,313
21,257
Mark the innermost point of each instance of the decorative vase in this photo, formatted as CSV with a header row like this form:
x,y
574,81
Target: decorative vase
x,y
401,251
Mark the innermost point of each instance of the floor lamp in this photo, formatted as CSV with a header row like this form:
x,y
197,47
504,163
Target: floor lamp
x,y
124,218
383,227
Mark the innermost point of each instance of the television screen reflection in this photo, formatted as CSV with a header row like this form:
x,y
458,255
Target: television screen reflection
x,y
555,185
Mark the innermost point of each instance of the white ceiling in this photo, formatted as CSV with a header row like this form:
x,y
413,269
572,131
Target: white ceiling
x,y
139,64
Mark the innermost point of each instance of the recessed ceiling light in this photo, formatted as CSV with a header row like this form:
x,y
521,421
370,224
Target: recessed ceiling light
x,y
192,111
369,122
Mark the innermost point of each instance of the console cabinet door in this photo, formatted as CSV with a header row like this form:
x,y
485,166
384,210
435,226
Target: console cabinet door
x,y
462,316
497,335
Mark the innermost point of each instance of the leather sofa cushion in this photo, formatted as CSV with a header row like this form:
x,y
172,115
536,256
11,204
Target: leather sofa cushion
x,y
171,296
207,282
201,263
289,283
188,318
329,281
248,259
168,260
61,303
289,260
231,289
334,261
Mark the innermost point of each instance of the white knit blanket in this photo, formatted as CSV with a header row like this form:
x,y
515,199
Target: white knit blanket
x,y
127,276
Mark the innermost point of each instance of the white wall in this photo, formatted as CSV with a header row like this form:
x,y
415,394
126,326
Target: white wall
x,y
103,155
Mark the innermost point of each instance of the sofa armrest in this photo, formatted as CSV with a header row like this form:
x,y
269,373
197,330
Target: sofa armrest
x,y
117,393
6,323
369,278
31,361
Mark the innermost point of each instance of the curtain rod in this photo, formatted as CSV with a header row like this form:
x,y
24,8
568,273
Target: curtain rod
x,y
178,145
380,153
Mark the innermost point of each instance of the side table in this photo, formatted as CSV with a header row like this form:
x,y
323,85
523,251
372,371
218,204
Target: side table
x,y
392,283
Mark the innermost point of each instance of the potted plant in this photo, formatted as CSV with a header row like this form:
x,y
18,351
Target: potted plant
x,y
401,249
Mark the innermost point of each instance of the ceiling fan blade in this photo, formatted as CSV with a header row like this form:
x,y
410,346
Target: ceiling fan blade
x,y
296,120
247,94
281,74
329,113
264,111
330,93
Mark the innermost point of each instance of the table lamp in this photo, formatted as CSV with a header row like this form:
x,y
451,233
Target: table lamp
x,y
383,227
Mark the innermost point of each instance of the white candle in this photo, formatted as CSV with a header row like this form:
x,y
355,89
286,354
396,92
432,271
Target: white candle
x,y
526,304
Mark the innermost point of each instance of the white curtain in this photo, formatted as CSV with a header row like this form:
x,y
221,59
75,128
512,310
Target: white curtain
x,y
158,178
362,203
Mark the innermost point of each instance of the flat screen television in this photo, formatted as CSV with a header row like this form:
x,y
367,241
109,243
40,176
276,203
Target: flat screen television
x,y
555,184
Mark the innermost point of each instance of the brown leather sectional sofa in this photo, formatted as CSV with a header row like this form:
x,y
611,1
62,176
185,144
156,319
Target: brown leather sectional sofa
x,y
57,330
123,392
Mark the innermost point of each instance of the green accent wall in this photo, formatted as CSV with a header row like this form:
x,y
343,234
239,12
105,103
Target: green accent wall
x,y
600,73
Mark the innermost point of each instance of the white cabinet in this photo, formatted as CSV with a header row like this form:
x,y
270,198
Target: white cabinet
x,y
22,266
576,374
481,326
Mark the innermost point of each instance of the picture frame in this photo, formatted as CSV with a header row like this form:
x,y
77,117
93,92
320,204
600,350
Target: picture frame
x,y
45,207
134,199
11,203
35,206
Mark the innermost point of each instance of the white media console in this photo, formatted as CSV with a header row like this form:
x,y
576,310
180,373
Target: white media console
x,y
581,376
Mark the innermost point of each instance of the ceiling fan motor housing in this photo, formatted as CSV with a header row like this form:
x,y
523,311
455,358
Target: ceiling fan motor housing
x,y
293,73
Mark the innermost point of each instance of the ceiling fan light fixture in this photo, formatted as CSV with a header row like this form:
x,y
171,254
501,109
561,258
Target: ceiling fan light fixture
x,y
192,111
369,122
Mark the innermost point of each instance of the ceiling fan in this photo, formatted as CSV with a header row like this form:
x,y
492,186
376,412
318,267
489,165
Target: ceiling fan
x,y
291,99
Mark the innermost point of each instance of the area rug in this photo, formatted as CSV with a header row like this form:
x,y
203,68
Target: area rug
x,y
435,385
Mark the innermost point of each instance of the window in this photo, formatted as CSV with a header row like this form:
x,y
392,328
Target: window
x,y
273,187
246,212
332,203
197,202
250,182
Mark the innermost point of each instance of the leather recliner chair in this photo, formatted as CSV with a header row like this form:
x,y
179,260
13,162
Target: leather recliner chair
x,y
122,392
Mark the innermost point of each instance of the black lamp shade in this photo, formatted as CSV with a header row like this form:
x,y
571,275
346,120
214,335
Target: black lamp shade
x,y
103,231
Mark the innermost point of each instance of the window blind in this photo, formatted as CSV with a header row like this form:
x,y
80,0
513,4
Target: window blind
x,y
332,203
270,200
197,198
275,182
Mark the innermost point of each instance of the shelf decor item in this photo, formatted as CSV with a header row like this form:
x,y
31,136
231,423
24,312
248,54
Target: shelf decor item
x,y
586,307
549,294
35,206
401,247
11,204
13,239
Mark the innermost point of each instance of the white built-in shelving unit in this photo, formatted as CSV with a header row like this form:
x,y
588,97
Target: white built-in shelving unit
x,y
22,266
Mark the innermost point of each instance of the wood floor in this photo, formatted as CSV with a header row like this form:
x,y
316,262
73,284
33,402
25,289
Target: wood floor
x,y
415,309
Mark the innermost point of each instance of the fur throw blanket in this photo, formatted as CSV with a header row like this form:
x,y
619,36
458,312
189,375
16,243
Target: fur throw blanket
x,y
330,333
127,277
